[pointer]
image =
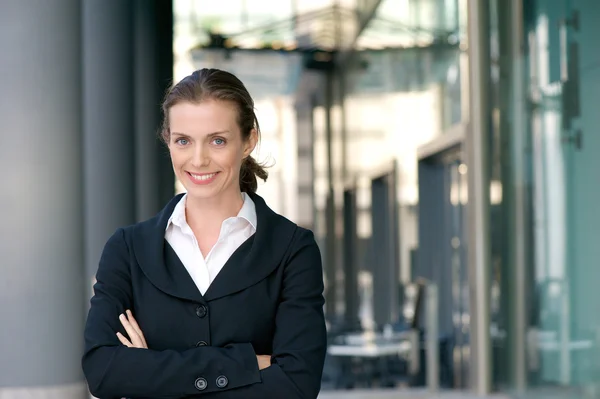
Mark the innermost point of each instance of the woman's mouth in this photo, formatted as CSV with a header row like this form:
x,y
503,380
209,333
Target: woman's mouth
x,y
202,178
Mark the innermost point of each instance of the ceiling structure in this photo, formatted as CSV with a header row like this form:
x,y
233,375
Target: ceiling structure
x,y
329,25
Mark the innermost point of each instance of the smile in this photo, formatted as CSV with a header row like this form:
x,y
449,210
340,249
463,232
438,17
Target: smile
x,y
202,178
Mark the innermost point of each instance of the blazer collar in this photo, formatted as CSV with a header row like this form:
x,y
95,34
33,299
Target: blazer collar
x,y
252,262
247,212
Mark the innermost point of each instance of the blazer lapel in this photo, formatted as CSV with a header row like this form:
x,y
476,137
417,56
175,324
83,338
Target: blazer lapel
x,y
182,283
253,261
258,257
158,260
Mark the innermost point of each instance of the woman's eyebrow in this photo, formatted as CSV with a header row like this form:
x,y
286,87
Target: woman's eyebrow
x,y
220,132
179,134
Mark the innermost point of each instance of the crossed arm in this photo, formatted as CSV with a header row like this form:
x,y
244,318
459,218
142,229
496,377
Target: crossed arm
x,y
117,366
137,339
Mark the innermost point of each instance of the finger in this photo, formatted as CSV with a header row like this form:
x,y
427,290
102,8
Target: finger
x,y
133,335
136,327
124,340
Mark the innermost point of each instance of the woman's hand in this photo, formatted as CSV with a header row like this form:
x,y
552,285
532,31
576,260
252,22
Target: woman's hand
x,y
264,361
136,337
137,340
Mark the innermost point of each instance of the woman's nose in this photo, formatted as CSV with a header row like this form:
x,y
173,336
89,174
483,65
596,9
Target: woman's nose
x,y
200,156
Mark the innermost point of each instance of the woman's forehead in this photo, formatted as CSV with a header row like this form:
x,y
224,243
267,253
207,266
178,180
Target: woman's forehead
x,y
206,116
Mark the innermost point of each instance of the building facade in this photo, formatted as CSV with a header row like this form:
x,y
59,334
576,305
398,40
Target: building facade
x,y
452,141
487,131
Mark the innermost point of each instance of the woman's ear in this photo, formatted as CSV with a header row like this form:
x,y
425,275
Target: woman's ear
x,y
250,143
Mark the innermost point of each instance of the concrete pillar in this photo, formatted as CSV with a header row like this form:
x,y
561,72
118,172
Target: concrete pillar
x,y
147,116
153,66
41,257
304,139
109,123
330,264
384,247
165,60
350,261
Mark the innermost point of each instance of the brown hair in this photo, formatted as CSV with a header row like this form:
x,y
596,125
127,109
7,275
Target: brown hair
x,y
214,84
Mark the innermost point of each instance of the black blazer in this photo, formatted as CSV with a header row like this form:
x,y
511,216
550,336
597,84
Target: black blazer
x,y
267,299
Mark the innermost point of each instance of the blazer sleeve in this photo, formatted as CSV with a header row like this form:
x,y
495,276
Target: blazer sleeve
x,y
300,340
114,371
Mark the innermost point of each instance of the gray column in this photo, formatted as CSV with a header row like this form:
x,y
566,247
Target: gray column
x,y
108,107
330,264
164,60
478,210
513,128
147,116
350,261
521,243
41,258
304,139
153,68
384,247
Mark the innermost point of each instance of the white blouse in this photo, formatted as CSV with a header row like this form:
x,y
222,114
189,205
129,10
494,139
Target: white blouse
x,y
234,232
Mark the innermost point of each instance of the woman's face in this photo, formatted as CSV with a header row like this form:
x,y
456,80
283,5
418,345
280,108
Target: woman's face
x,y
207,148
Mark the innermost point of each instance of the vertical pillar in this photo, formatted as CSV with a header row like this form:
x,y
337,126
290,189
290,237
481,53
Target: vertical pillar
x,y
40,202
147,115
521,241
153,72
477,154
304,139
350,261
432,347
513,130
109,122
384,241
330,246
165,60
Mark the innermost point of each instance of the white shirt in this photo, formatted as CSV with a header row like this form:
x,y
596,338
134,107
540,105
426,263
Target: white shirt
x,y
234,232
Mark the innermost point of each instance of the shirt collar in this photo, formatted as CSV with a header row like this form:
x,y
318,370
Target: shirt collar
x,y
178,216
247,212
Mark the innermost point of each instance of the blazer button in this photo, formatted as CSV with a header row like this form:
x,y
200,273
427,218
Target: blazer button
x,y
201,384
201,311
222,381
201,343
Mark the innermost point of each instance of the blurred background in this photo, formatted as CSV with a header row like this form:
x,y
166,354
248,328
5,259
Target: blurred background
x,y
443,152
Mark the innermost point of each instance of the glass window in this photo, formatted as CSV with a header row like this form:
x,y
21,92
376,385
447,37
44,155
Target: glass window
x,y
545,155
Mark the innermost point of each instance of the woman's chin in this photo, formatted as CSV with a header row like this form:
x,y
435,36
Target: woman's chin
x,y
208,192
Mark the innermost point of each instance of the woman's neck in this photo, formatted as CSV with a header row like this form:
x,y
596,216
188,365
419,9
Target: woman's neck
x,y
211,212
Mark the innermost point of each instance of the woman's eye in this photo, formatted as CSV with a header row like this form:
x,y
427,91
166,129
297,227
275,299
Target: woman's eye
x,y
181,141
219,141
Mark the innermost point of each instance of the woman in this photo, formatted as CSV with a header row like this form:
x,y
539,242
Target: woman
x,y
216,295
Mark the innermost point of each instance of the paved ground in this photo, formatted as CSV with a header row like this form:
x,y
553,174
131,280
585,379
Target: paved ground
x,y
402,394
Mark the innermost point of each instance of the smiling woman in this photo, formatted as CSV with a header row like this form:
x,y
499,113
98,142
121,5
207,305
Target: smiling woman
x,y
217,293
207,147
212,103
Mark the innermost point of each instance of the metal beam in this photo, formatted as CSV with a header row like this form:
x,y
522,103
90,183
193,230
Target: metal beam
x,y
364,15
478,210
451,138
520,238
331,210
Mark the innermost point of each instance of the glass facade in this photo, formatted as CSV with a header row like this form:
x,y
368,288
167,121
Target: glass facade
x,y
544,79
544,150
409,93
382,153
